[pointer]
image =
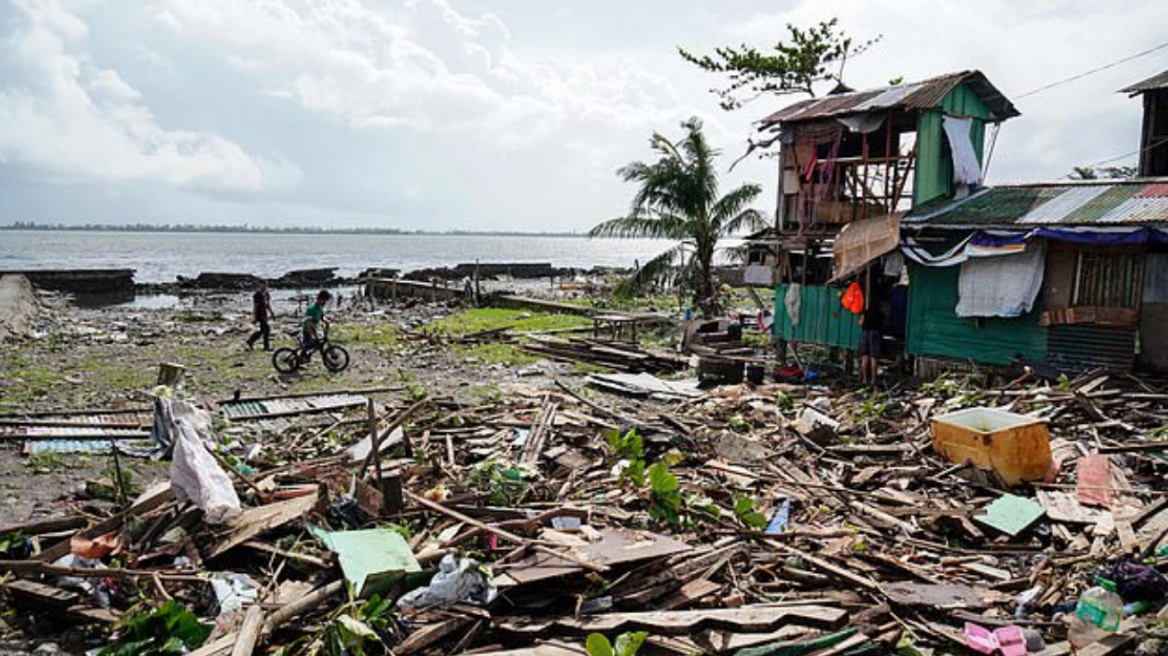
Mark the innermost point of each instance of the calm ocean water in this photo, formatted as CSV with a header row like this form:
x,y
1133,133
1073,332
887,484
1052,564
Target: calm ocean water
x,y
159,257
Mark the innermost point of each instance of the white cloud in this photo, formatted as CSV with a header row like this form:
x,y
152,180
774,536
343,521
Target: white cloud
x,y
73,118
424,67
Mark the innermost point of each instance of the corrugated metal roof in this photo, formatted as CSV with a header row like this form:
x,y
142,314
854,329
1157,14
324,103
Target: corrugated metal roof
x,y
1157,81
917,95
1103,202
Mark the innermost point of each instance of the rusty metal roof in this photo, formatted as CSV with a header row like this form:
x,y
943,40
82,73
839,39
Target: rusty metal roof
x,y
915,95
1084,203
1157,81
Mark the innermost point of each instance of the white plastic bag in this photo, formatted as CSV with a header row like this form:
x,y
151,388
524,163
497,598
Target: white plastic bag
x,y
457,580
197,477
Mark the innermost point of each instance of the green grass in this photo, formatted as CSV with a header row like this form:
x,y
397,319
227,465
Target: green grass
x,y
477,320
496,353
480,319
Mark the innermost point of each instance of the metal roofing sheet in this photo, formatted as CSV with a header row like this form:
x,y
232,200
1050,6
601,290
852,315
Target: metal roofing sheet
x,y
916,95
1138,210
1057,209
1107,202
1157,81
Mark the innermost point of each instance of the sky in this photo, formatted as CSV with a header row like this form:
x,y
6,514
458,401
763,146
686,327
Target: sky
x,y
482,115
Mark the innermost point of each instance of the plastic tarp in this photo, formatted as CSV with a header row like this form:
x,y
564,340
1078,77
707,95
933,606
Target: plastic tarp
x,y
1000,286
197,477
966,168
860,242
990,243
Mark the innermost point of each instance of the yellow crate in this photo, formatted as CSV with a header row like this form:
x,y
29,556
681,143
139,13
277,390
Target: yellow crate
x,y
1015,447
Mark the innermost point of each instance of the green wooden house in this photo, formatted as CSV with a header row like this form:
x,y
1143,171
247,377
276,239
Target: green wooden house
x,y
854,159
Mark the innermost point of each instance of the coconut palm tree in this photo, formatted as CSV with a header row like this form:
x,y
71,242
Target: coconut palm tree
x,y
678,199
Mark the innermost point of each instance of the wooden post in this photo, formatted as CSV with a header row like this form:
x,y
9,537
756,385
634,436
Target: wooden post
x,y
375,439
170,374
249,633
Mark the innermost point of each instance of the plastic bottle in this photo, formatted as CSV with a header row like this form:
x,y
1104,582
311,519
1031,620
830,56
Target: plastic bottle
x,y
1097,614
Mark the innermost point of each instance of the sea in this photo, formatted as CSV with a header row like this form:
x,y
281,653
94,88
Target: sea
x,y
159,257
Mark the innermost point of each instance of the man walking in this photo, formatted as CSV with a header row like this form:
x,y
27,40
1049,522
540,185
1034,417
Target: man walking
x,y
262,311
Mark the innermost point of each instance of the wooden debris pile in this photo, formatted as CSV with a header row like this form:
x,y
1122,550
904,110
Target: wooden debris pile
x,y
747,520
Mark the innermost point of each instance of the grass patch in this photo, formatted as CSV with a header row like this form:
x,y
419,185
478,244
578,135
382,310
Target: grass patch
x,y
480,319
381,336
496,353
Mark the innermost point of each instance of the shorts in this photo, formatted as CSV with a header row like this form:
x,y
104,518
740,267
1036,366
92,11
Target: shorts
x,y
870,343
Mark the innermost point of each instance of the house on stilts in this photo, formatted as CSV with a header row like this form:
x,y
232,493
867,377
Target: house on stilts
x,y
885,189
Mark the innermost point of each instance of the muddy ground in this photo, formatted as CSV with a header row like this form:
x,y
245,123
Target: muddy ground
x,y
104,358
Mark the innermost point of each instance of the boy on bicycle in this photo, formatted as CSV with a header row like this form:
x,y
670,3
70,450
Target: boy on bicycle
x,y
315,322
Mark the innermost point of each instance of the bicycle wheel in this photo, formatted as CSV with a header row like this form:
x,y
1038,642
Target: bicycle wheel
x,y
286,360
335,358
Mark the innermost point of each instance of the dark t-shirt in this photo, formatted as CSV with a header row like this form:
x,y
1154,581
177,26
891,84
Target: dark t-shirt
x,y
260,301
873,318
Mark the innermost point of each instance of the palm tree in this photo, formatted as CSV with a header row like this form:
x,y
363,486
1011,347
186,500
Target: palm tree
x,y
678,199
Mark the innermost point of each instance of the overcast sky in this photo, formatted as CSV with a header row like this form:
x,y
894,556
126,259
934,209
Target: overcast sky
x,y
469,114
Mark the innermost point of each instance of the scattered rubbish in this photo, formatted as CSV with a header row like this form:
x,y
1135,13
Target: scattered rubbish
x,y
459,580
198,478
1011,514
371,560
1097,614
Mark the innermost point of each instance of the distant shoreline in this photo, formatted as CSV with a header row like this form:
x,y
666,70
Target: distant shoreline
x,y
179,229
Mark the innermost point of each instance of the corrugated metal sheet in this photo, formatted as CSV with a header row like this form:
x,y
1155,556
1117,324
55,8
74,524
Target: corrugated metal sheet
x,y
925,94
1057,209
934,329
1138,210
822,319
1086,346
1106,202
1157,81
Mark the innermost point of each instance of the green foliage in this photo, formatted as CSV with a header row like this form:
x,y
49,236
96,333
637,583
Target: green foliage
x,y
629,445
784,401
15,545
349,633
664,495
1063,383
504,486
792,67
482,319
678,199
871,410
45,463
740,424
168,630
635,472
627,644
744,510
1102,172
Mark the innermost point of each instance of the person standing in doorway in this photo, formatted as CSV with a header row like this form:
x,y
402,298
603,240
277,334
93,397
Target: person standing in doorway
x,y
261,304
871,335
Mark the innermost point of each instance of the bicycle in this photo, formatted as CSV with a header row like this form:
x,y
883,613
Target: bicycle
x,y
288,360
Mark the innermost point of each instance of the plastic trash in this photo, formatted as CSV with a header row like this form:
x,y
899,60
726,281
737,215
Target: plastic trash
x,y
1026,598
781,519
234,591
197,477
1097,615
1010,640
458,580
95,588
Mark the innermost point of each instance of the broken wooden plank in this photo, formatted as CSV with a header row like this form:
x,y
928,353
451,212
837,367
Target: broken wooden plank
x,y
757,618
